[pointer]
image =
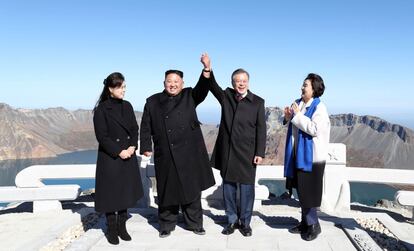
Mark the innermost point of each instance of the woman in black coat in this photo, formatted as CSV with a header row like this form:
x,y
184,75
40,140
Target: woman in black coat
x,y
118,180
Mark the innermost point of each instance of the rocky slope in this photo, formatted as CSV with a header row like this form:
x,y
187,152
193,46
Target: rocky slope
x,y
38,133
41,133
370,141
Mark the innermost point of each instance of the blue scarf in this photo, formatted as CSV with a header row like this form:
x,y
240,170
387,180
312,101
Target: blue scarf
x,y
304,149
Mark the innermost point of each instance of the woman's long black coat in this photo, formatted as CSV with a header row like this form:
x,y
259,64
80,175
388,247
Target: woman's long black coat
x,y
118,182
182,167
242,134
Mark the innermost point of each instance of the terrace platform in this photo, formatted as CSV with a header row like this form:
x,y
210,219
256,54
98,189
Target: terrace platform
x,y
79,227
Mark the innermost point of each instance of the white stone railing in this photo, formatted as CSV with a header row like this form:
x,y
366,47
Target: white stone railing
x,y
336,191
337,159
336,184
30,186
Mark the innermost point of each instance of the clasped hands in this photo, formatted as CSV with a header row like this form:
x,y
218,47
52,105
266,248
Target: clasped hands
x,y
290,111
126,154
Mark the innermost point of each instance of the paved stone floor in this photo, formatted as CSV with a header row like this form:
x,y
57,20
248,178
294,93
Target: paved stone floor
x,y
269,233
28,231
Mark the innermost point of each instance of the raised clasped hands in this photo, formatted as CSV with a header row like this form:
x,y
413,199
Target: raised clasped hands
x,y
205,60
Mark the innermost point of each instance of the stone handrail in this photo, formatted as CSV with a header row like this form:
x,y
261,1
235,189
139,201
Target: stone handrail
x,y
380,175
46,197
336,190
32,176
405,198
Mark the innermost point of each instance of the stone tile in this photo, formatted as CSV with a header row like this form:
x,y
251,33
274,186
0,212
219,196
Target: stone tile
x,y
340,243
270,232
295,242
172,249
255,242
113,248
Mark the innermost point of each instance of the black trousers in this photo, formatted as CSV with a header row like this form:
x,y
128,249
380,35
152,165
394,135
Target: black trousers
x,y
192,213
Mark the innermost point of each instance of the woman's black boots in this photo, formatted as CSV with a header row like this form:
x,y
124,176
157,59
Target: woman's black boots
x,y
122,231
112,233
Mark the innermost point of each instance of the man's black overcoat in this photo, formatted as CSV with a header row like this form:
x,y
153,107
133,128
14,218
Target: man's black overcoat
x,y
242,134
182,167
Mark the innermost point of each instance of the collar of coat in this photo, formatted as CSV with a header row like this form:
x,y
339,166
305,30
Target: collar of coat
x,y
249,96
165,98
109,107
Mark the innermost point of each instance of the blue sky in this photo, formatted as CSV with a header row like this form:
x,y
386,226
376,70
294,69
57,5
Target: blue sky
x,y
57,53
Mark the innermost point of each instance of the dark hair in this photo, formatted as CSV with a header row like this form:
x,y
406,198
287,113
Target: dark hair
x,y
178,72
317,84
239,71
114,80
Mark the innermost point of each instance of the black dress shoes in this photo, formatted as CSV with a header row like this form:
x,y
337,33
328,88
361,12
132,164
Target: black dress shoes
x,y
312,232
301,228
246,230
229,229
164,233
199,231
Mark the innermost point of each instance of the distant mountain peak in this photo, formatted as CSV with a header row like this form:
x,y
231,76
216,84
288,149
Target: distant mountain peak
x,y
37,133
375,123
4,106
370,141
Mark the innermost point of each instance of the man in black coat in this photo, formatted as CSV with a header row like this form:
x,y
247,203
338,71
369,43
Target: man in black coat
x,y
182,167
240,146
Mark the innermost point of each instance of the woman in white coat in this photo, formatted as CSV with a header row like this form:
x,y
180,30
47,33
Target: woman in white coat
x,y
306,152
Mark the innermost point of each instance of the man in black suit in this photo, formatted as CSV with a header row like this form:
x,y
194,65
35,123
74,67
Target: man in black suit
x,y
240,146
182,167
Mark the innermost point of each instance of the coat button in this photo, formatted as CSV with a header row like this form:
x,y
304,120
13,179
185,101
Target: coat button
x,y
128,137
169,130
172,145
166,117
117,140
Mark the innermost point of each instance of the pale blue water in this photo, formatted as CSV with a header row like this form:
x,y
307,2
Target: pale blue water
x,y
363,193
10,168
85,184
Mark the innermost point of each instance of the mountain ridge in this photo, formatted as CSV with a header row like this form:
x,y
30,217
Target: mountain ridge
x,y
40,133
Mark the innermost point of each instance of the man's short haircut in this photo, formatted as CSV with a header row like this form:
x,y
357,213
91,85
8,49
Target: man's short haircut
x,y
239,71
178,72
